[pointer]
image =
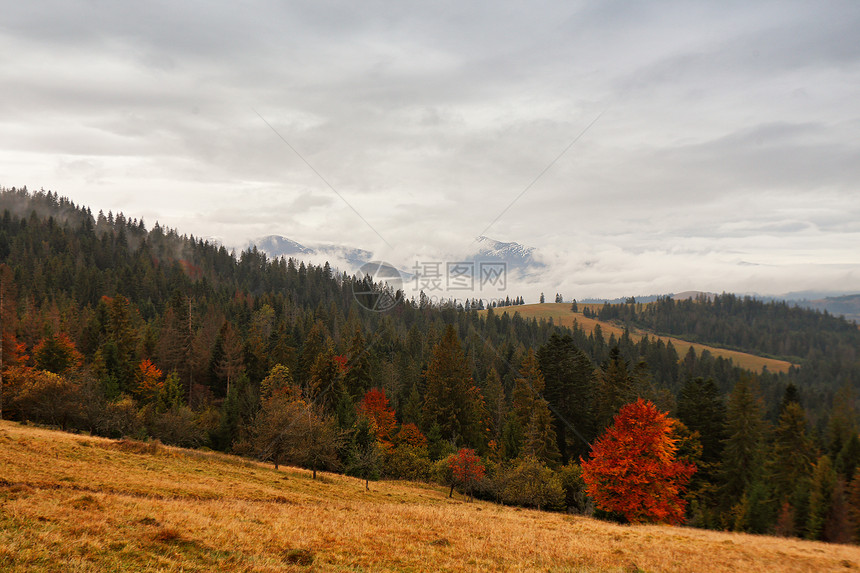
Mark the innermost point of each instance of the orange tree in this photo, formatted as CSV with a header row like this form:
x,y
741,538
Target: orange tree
x,y
376,408
633,468
467,469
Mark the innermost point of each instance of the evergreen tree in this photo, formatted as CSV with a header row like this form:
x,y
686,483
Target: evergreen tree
x,y
614,388
452,401
364,458
824,481
702,410
357,378
497,408
793,452
744,443
533,415
569,377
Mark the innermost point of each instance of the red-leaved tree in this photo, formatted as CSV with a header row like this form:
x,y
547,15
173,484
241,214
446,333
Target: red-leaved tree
x,y
467,469
633,469
375,406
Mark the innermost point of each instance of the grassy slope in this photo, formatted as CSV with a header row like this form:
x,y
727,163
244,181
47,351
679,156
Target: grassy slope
x,y
77,503
560,314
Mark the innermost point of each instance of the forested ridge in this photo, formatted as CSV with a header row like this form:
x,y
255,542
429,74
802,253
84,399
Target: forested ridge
x,y
826,347
116,329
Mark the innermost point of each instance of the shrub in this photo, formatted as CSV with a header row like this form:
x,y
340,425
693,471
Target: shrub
x,y
532,484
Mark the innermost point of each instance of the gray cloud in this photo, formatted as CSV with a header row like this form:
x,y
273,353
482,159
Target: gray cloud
x,y
728,131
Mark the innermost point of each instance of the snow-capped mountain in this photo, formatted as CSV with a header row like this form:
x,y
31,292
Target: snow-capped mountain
x,y
518,258
276,246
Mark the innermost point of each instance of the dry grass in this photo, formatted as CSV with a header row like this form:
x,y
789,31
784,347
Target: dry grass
x,y
561,315
74,503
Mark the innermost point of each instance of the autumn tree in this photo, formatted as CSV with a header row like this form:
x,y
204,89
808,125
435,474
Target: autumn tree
x,y
292,431
148,382
375,407
633,469
467,470
57,353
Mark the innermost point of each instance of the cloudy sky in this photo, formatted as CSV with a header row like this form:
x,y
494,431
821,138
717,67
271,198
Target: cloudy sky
x,y
715,146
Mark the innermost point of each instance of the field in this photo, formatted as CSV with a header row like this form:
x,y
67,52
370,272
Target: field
x,y
561,315
77,503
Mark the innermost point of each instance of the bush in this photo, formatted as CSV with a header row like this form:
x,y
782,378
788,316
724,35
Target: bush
x,y
575,496
408,462
47,398
532,484
121,418
178,427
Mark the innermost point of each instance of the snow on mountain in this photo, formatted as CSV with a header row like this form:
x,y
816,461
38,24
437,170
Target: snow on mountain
x,y
345,258
517,257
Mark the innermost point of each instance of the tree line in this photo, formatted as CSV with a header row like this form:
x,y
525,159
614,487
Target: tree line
x,y
118,330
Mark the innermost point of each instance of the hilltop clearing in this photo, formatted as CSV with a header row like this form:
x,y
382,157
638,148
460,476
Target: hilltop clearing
x,y
561,315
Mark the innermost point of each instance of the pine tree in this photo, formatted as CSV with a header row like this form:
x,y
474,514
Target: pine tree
x,y
793,452
357,378
614,388
533,414
452,401
7,305
497,408
743,449
824,481
569,377
364,457
702,410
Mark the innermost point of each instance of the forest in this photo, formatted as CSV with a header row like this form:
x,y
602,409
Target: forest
x,y
112,328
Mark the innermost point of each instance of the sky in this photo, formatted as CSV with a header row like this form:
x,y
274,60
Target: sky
x,y
641,148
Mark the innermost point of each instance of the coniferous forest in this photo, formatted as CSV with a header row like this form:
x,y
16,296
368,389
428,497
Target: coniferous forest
x,y
123,330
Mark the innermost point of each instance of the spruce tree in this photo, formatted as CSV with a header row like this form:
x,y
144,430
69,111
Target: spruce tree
x,y
569,377
824,481
743,447
793,452
702,410
452,401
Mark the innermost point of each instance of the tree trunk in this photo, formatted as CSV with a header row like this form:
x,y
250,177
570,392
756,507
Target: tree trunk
x,y
451,493
367,484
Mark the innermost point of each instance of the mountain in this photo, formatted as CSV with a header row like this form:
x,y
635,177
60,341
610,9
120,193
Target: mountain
x,y
518,258
847,306
338,256
277,246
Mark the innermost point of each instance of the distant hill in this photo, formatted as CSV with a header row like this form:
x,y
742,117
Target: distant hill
x,y
561,315
847,306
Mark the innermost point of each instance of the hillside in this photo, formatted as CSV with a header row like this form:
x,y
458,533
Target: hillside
x,y
561,315
78,503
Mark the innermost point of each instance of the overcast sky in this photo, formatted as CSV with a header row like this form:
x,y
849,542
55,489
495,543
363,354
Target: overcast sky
x,y
725,155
